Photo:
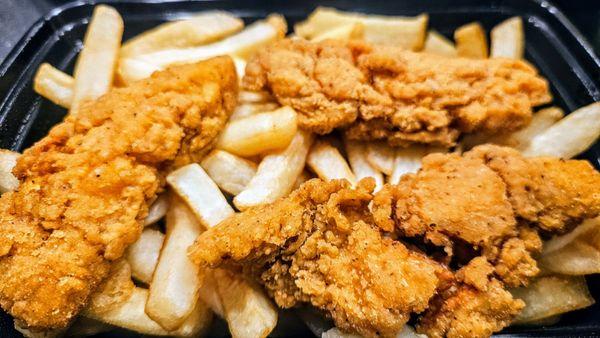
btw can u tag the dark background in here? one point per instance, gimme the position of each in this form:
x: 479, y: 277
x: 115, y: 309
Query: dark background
x: 16, y: 16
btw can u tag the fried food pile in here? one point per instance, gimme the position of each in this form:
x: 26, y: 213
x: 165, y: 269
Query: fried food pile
x: 444, y: 244
x: 86, y: 187
x: 379, y: 92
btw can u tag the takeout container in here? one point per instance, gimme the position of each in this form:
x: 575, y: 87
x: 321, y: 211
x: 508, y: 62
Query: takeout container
x: 553, y: 44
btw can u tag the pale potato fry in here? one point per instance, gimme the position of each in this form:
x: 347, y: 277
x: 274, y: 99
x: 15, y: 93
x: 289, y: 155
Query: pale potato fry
x: 248, y: 311
x: 54, y: 85
x: 209, y: 293
x: 276, y: 173
x: 408, y: 160
x: 508, y: 39
x: 327, y: 162
x: 350, y: 31
x: 548, y: 321
x: 575, y: 253
x: 174, y: 287
x: 357, y: 156
x: 438, y: 44
x: 521, y: 138
x: 131, y: 315
x: 247, y: 109
x: 231, y: 173
x: 240, y: 67
x: 143, y: 254
x: 381, y: 157
x: 157, y: 210
x: 199, y: 29
x: 259, y: 133
x: 254, y: 37
x: 405, y: 32
x: 200, y: 193
x: 114, y: 290
x: 8, y: 160
x: 245, y: 96
x: 95, y: 66
x: 552, y: 295
x: 570, y: 136
x: 471, y: 41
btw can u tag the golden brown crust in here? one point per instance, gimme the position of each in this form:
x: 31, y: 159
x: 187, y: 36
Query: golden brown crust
x: 85, y: 188
x: 380, y: 92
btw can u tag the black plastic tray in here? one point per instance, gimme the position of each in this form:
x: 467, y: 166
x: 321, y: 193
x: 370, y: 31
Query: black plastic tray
x: 553, y: 45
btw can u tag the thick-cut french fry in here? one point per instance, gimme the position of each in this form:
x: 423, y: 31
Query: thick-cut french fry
x: 276, y: 173
x: 95, y: 67
x: 130, y: 315
x: 200, y: 193
x: 381, y: 157
x: 229, y: 172
x: 471, y: 41
x: 408, y: 160
x: 355, y: 30
x: 576, y: 253
x: 259, y: 133
x: 552, y: 295
x: 247, y: 109
x: 8, y: 160
x: 521, y: 138
x: 209, y: 293
x: 508, y: 39
x: 157, y: 210
x: 197, y: 30
x: 406, y: 32
x: 241, y: 45
x: 143, y: 254
x: 54, y: 85
x: 327, y: 162
x: 174, y: 288
x: 254, y: 97
x: 248, y: 311
x: 357, y: 156
x: 240, y: 67
x: 436, y: 43
x: 570, y: 136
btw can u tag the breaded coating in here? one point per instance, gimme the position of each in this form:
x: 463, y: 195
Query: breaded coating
x: 320, y: 246
x: 379, y: 92
x: 86, y: 187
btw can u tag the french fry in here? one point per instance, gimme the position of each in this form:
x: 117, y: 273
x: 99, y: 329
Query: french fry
x: 54, y: 85
x: 254, y: 97
x: 248, y: 109
x: 303, y: 177
x: 471, y: 41
x: 521, y: 138
x: 130, y: 315
x: 209, y: 293
x: 381, y: 157
x: 436, y: 43
x: 508, y: 39
x: 8, y: 160
x: 174, y: 287
x: 248, y: 311
x: 240, y: 67
x: 94, y: 69
x: 200, y: 193
x: 229, y: 172
x: 114, y: 290
x: 240, y: 45
x: 199, y: 29
x: 276, y: 173
x: 570, y: 136
x: 575, y: 253
x: 259, y: 133
x: 408, y: 160
x: 405, y: 32
x: 350, y: 31
x: 327, y: 162
x: 157, y: 210
x: 143, y: 254
x: 552, y: 295
x: 357, y: 156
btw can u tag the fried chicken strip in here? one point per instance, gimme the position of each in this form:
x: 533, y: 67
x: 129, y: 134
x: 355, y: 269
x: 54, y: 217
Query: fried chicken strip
x: 378, y: 92
x: 320, y: 246
x: 360, y: 257
x: 86, y: 187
